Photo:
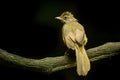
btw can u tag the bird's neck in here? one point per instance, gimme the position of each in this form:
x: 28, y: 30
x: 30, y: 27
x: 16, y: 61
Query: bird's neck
x: 70, y: 21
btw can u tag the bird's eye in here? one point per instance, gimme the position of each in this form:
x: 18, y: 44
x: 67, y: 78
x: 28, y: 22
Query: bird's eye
x: 65, y: 17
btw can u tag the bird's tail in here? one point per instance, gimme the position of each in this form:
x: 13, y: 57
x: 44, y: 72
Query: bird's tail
x: 83, y: 63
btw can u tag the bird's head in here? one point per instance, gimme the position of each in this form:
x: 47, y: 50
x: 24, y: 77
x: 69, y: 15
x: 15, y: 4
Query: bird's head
x: 66, y: 17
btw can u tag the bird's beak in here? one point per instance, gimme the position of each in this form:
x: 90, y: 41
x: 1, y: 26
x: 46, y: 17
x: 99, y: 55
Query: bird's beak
x: 58, y: 18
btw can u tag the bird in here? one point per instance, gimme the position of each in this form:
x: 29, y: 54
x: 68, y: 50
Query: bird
x: 74, y: 37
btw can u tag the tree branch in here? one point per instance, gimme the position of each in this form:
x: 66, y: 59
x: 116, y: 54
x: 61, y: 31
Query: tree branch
x: 52, y: 64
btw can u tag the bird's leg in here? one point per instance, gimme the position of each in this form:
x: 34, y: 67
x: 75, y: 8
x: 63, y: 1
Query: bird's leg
x: 66, y: 52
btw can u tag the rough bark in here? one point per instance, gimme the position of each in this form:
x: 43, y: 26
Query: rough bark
x: 52, y: 64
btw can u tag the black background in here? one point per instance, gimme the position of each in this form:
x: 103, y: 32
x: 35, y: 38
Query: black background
x: 29, y: 29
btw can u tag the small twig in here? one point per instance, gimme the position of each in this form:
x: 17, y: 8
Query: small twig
x: 52, y: 64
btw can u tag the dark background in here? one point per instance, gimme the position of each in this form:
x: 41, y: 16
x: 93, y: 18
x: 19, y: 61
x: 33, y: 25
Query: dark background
x: 29, y: 29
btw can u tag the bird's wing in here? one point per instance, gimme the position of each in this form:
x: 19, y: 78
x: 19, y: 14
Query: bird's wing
x: 79, y: 35
x: 70, y: 40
